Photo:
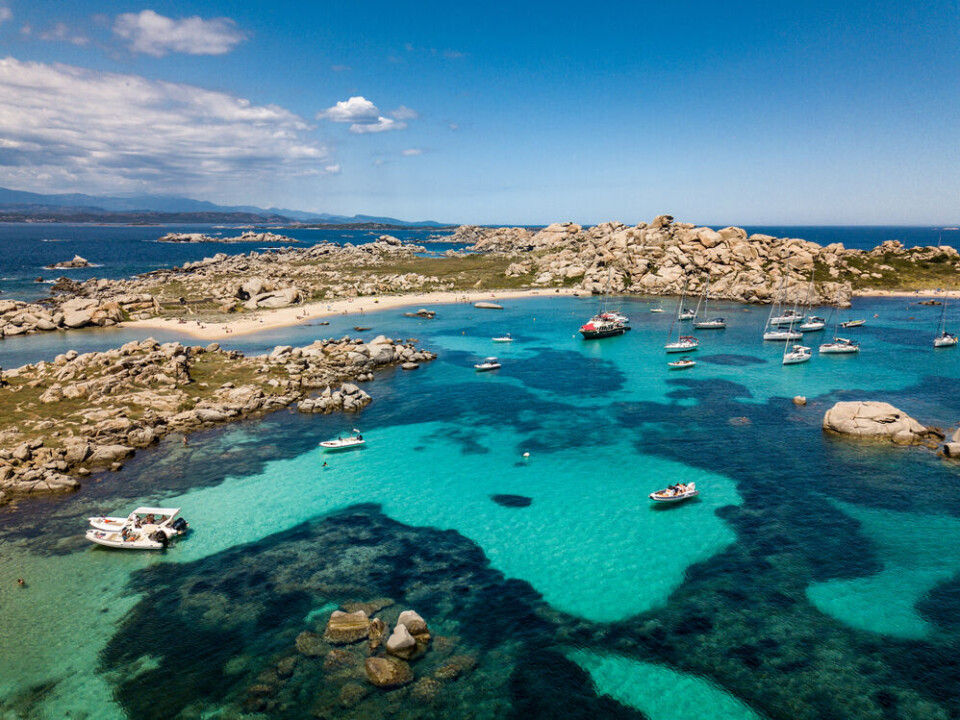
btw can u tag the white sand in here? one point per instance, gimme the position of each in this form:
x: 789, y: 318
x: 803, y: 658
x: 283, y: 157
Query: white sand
x: 286, y: 317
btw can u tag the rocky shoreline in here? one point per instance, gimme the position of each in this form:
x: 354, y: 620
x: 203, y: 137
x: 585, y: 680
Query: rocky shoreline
x: 659, y: 258
x: 63, y: 420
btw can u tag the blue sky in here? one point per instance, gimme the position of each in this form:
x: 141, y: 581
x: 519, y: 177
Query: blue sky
x: 743, y: 113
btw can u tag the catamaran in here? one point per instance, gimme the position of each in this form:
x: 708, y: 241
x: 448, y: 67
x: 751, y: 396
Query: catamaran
x: 708, y: 323
x: 943, y: 338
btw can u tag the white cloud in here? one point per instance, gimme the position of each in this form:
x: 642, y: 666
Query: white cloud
x: 66, y: 128
x: 356, y: 109
x: 453, y: 126
x: 364, y: 115
x: 332, y: 169
x: 405, y: 113
x: 154, y: 34
x: 413, y: 152
x: 5, y: 13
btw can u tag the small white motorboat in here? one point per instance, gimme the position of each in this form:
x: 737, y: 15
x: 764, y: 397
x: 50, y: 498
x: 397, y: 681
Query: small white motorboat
x: 146, y: 528
x: 681, y: 364
x: 491, y: 363
x: 484, y: 305
x: 853, y: 323
x: 341, y: 443
x: 945, y: 339
x: 685, y: 343
x: 840, y: 346
x: 503, y: 338
x: 149, y: 518
x: 712, y: 324
x: 675, y: 493
x: 782, y: 335
x: 799, y: 354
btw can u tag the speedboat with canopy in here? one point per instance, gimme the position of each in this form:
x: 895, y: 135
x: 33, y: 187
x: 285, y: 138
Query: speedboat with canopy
x: 491, y: 363
x: 675, y: 493
x: 146, y: 528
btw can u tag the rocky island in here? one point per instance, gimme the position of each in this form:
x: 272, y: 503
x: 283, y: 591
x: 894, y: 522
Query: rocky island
x: 86, y: 412
x: 247, y: 237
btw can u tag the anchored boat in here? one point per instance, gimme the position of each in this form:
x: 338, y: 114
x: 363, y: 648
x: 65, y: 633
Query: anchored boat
x: 675, y: 493
x: 341, y: 443
x: 146, y: 528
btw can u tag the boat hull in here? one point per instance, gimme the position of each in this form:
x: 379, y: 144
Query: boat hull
x: 600, y: 334
x: 681, y: 366
x: 710, y: 325
x: 674, y: 348
x: 839, y: 350
x: 942, y: 343
x: 335, y: 445
x: 114, y: 540
x: 674, y: 498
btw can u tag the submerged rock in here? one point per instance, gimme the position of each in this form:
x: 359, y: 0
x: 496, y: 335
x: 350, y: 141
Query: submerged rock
x: 345, y: 628
x: 388, y: 672
x: 512, y: 501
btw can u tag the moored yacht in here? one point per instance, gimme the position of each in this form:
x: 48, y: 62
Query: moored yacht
x: 783, y: 335
x: 789, y: 317
x: 684, y: 343
x: 799, y: 354
x: 840, y: 346
x: 812, y: 324
x: 597, y: 328
x: 945, y: 339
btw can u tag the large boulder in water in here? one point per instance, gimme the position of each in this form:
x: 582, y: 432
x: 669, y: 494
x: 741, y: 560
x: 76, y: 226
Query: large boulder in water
x: 872, y: 419
x: 344, y: 628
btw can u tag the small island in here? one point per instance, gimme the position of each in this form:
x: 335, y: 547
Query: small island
x: 247, y: 237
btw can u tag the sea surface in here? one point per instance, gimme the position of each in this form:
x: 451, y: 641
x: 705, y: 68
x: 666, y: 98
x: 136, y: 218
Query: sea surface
x: 814, y: 577
x: 118, y: 251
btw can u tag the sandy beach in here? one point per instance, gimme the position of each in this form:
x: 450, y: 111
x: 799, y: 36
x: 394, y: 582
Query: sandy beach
x: 916, y: 294
x: 296, y: 314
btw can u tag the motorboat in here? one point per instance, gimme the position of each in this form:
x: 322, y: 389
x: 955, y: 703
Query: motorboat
x: 945, y: 339
x: 675, y: 493
x: 491, y: 363
x: 146, y: 528
x: 712, y: 324
x: 503, y: 338
x: 681, y: 364
x: 812, y: 324
x: 799, y: 354
x: 783, y: 335
x: 840, y: 346
x: 853, y: 323
x: 148, y: 518
x: 344, y: 443
x: 685, y: 343
x: 595, y: 328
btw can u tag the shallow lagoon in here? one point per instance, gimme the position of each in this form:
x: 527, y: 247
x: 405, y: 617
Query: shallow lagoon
x: 767, y: 588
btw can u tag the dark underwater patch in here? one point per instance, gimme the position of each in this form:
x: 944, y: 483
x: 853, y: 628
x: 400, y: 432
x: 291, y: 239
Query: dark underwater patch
x: 512, y: 501
x: 732, y: 360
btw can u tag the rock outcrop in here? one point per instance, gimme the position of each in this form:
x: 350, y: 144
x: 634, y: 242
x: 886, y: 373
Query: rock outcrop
x: 77, y: 262
x: 81, y: 413
x: 387, y: 672
x: 248, y: 236
x: 878, y: 420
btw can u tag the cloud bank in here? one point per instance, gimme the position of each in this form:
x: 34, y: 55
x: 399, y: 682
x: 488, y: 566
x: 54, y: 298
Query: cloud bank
x: 153, y: 34
x: 69, y: 128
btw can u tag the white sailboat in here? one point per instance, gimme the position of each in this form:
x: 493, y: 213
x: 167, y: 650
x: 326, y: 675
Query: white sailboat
x: 658, y: 308
x: 771, y: 331
x: 943, y: 338
x: 708, y: 323
x: 683, y: 343
x: 839, y: 345
x: 811, y: 323
x: 798, y: 354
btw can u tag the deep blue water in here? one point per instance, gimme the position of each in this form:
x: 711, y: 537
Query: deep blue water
x: 122, y: 251
x: 816, y: 577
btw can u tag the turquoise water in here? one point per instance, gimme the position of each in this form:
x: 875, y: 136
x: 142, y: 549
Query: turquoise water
x: 801, y: 552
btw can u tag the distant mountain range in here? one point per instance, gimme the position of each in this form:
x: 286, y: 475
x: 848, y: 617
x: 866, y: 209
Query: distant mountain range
x: 21, y: 206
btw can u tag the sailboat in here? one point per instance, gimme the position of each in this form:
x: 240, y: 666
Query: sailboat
x: 658, y: 308
x: 771, y: 331
x: 684, y: 343
x: 839, y: 345
x: 717, y: 323
x: 811, y: 323
x: 798, y: 353
x: 943, y: 338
